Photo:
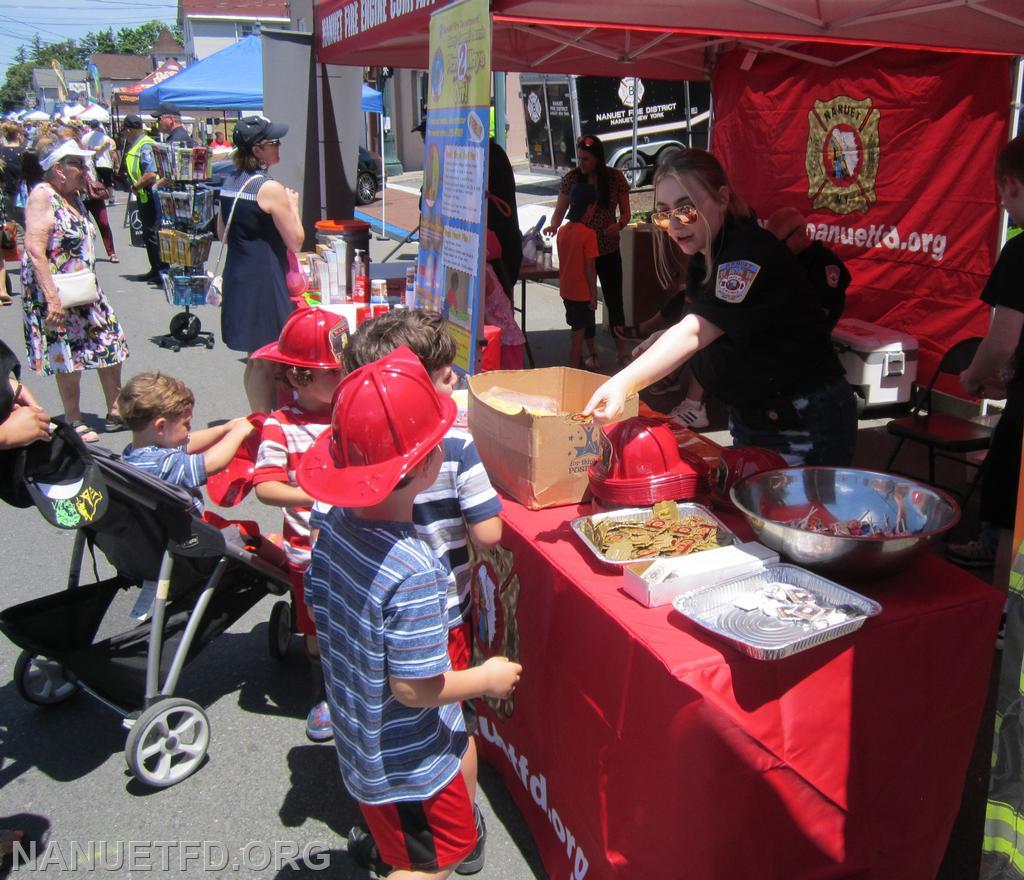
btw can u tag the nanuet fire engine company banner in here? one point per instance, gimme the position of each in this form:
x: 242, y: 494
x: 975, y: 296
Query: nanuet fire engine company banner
x: 890, y: 157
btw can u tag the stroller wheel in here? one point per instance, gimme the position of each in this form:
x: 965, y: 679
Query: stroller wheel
x: 168, y: 742
x: 280, y: 631
x: 42, y: 681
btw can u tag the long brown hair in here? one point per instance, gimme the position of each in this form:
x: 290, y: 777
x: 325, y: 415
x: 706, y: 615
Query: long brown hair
x: 687, y: 166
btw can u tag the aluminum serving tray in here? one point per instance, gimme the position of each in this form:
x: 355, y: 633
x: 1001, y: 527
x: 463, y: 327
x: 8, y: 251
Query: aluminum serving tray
x: 763, y: 637
x: 639, y: 514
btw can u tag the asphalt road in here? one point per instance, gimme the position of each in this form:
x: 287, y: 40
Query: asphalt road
x: 266, y: 795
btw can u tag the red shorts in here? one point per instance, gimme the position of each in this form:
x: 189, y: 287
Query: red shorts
x: 303, y: 622
x: 424, y: 835
x: 460, y: 645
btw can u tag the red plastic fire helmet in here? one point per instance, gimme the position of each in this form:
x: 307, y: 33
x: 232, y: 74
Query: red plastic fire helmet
x: 737, y: 462
x: 641, y: 463
x: 385, y: 419
x: 312, y: 338
x: 231, y: 485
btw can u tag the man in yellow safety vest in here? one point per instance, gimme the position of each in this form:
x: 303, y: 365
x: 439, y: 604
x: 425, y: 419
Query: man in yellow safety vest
x: 140, y: 166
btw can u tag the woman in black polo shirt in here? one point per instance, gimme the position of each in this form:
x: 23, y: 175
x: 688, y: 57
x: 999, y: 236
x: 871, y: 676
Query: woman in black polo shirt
x: 758, y: 341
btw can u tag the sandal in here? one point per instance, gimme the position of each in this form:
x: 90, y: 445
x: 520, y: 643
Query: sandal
x: 113, y: 423
x: 630, y: 333
x: 87, y: 434
x: 592, y: 363
x: 114, y: 258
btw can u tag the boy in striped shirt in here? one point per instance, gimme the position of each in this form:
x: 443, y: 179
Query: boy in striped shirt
x: 308, y: 358
x: 379, y: 598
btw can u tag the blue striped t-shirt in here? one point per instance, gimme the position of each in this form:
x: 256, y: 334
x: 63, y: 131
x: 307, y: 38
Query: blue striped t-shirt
x: 173, y: 465
x: 461, y: 494
x: 377, y: 596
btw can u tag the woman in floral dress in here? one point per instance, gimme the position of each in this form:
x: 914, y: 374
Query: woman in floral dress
x: 64, y: 342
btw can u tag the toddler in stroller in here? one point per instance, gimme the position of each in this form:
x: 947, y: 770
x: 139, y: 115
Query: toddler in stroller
x: 205, y: 578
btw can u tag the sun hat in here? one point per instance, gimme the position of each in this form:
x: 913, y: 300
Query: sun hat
x: 387, y: 417
x: 250, y: 130
x: 64, y: 151
x: 312, y: 338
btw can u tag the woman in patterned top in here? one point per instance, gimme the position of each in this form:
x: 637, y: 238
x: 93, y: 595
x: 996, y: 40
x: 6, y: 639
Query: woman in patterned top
x: 64, y: 342
x: 612, y: 195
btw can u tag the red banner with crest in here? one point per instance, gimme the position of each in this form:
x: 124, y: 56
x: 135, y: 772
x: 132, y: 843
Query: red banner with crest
x: 890, y: 158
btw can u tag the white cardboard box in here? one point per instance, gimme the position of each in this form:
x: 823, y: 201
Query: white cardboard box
x: 880, y: 363
x: 674, y: 576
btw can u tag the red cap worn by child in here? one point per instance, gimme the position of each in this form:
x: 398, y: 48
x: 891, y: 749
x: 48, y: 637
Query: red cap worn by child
x: 312, y: 338
x: 386, y: 418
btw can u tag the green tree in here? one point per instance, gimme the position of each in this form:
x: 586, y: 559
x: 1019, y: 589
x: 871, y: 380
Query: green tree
x: 137, y: 40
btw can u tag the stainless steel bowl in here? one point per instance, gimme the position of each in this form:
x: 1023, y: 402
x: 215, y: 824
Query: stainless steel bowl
x: 771, y: 499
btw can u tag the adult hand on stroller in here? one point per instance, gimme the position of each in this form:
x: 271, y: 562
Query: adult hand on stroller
x: 24, y: 425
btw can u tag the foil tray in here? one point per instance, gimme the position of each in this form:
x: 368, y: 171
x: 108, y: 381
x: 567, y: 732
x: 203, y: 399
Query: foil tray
x: 761, y: 636
x: 639, y: 514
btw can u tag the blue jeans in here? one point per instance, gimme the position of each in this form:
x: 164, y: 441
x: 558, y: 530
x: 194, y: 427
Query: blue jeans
x: 822, y: 429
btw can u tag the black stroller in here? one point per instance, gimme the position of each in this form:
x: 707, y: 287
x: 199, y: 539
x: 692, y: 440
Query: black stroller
x: 203, y: 579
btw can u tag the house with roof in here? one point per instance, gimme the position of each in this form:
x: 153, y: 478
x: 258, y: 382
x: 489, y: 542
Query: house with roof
x: 120, y: 71
x: 212, y: 25
x: 45, y: 86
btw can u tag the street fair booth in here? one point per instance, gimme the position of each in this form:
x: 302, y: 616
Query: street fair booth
x: 651, y: 735
x: 126, y: 100
x: 231, y: 79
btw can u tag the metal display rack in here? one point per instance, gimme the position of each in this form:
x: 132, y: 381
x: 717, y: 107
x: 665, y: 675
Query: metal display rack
x: 186, y: 209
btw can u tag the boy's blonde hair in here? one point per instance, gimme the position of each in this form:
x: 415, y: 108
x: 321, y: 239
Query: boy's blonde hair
x: 150, y: 396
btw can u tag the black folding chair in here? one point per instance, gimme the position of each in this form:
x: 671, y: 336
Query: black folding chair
x: 945, y: 436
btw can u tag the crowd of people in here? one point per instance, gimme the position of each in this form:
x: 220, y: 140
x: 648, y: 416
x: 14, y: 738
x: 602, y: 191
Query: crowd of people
x: 382, y: 497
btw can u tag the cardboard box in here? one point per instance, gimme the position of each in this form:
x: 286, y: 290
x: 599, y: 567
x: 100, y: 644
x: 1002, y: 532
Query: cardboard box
x: 540, y: 460
x: 674, y: 576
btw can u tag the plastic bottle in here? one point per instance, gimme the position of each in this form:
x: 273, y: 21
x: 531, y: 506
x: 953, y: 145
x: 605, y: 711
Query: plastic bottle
x: 360, y: 278
x: 410, y: 287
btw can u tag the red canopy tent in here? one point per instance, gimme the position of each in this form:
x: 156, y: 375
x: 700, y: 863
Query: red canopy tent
x: 668, y: 40
x: 852, y: 39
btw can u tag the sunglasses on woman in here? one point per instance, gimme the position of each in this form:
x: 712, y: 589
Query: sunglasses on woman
x: 683, y: 216
x: 274, y: 143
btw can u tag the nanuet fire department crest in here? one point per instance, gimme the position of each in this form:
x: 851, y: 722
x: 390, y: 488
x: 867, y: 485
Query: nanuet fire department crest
x: 842, y: 154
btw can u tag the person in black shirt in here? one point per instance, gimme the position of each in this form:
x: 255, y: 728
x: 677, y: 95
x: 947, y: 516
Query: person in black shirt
x: 827, y: 274
x: 997, y: 372
x: 757, y: 340
x: 168, y: 120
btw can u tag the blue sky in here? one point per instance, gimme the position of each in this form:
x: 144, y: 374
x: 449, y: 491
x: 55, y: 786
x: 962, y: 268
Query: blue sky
x: 57, y: 20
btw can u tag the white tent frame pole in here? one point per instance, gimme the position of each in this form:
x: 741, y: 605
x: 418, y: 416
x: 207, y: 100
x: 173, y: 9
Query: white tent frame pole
x: 383, y: 176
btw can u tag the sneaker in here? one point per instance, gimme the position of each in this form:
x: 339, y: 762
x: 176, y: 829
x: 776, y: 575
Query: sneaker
x: 690, y: 414
x: 474, y: 862
x: 363, y: 851
x: 973, y: 554
x: 318, y: 723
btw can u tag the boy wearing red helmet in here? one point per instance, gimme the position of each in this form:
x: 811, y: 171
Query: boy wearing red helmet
x: 308, y: 353
x: 379, y: 596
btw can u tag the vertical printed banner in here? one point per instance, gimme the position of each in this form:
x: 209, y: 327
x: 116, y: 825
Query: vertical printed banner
x: 890, y: 158
x: 453, y: 219
x: 62, y: 83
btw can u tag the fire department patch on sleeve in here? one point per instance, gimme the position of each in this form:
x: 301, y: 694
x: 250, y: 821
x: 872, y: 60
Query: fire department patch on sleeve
x: 832, y: 275
x: 735, y: 279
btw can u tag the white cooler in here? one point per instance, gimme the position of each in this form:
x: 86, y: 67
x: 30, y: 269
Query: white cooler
x: 880, y: 364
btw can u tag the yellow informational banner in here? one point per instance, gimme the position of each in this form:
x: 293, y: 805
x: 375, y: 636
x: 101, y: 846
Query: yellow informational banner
x: 453, y: 218
x: 62, y: 83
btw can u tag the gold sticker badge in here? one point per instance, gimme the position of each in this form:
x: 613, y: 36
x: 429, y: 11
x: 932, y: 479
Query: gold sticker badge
x: 842, y: 154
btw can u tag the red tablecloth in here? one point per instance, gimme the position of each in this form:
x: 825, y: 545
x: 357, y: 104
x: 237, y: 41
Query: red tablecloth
x: 640, y: 746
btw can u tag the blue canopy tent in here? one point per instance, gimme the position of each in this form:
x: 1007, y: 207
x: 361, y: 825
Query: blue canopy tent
x: 231, y: 79
x: 371, y: 101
